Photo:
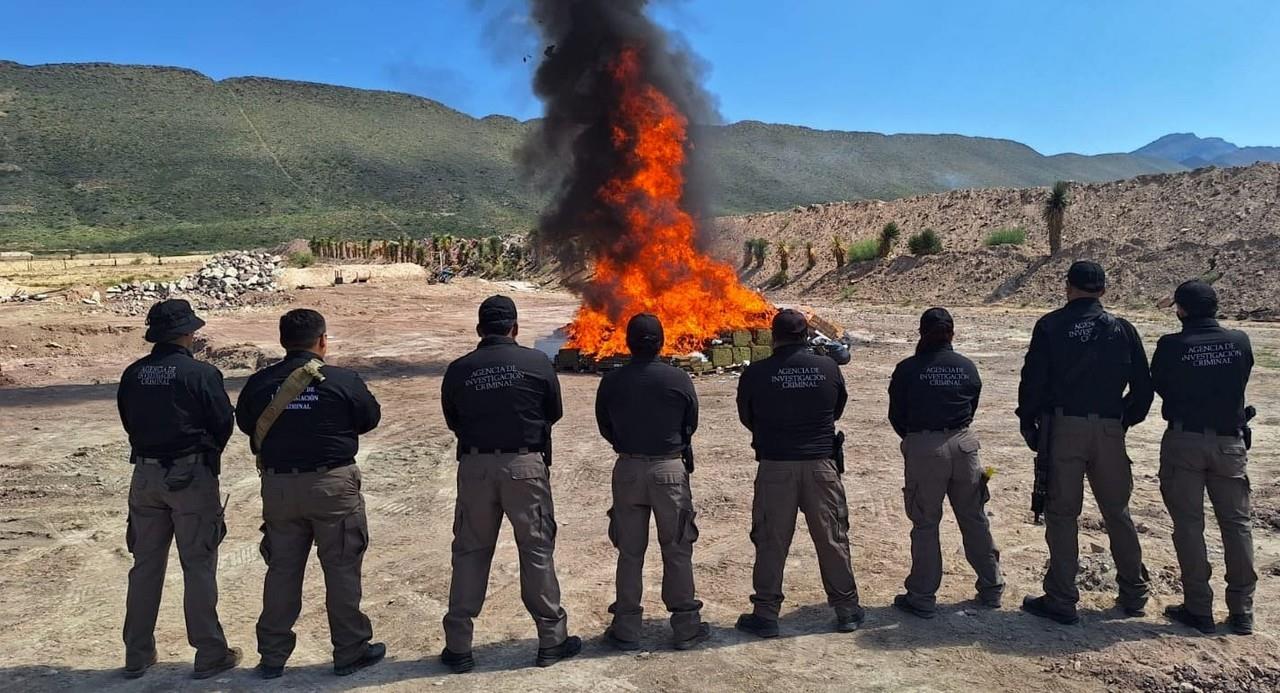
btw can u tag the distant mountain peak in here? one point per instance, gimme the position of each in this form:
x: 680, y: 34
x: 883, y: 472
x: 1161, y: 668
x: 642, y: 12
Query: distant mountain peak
x: 1190, y: 150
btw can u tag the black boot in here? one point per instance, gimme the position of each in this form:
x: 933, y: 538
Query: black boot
x: 372, y: 655
x: 850, y: 620
x: 136, y: 671
x: 269, y: 671
x: 1241, y: 624
x: 903, y: 603
x: 458, y: 662
x: 1180, y: 614
x: 1036, y: 606
x: 229, y: 661
x: 758, y: 626
x: 618, y: 643
x: 701, y: 636
x: 547, y: 656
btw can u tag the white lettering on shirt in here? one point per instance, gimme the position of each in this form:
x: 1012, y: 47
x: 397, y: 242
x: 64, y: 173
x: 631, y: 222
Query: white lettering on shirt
x: 157, y: 375
x: 1209, y: 355
x: 944, y: 376
x: 799, y: 377
x: 493, y: 378
x: 1081, y: 331
x: 304, y: 400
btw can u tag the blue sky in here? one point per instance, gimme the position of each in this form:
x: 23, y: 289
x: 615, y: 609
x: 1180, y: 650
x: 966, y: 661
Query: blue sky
x: 1068, y: 75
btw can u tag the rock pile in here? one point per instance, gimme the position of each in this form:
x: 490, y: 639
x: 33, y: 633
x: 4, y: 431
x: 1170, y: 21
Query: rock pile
x: 225, y: 279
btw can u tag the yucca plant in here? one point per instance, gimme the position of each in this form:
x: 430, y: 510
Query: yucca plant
x: 888, y: 236
x: 1055, y: 214
x: 838, y: 251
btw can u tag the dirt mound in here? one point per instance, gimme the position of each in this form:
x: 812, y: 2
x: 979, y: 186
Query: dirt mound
x: 236, y: 357
x: 1151, y: 232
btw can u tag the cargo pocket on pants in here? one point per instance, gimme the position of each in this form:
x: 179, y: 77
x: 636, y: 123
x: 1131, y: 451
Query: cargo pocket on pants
x: 264, y: 545
x: 546, y: 524
x: 130, y: 536
x: 613, y: 528
x: 355, y: 537
x: 688, y: 527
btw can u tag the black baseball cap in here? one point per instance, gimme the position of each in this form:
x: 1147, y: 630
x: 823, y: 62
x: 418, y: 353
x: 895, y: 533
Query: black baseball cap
x: 1197, y: 297
x: 171, y: 319
x: 644, y: 335
x: 1087, y: 275
x: 936, y: 319
x: 497, y: 310
x: 790, y: 324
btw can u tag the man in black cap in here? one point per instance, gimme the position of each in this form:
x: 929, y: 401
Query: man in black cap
x: 648, y: 411
x: 1079, y: 364
x: 933, y: 397
x: 501, y: 401
x: 179, y: 419
x: 1201, y: 374
x: 304, y: 419
x: 790, y: 403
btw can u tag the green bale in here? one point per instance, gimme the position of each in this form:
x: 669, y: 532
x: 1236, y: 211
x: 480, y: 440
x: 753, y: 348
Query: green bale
x: 760, y: 353
x: 568, y: 359
x: 764, y: 337
x: 741, y: 338
x: 741, y: 354
x: 721, y: 356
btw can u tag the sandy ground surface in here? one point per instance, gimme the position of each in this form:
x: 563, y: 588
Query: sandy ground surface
x: 64, y: 476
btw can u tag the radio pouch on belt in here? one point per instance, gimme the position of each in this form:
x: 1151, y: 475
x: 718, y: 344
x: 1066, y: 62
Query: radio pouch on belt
x: 294, y: 385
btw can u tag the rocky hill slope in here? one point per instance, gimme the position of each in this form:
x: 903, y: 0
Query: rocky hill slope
x: 1151, y: 232
x: 111, y: 157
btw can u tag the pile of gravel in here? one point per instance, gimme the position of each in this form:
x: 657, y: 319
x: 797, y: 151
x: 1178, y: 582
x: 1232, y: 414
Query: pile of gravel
x: 224, y: 280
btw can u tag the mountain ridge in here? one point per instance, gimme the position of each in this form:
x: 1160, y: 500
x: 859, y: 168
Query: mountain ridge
x: 108, y: 157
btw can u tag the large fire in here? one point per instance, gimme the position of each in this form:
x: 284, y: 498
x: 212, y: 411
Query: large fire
x: 695, y: 296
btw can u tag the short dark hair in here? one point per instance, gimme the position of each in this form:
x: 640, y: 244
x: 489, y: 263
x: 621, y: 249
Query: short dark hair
x: 497, y: 328
x: 301, y: 329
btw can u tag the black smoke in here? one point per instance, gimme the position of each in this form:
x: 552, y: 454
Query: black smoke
x: 570, y: 154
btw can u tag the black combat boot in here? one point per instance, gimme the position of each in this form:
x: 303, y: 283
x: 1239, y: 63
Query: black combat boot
x: 618, y: 643
x: 849, y: 620
x: 230, y: 661
x: 136, y: 671
x: 547, y: 656
x: 458, y: 662
x: 1179, y: 613
x: 902, y: 602
x: 1241, y: 624
x: 701, y: 636
x: 269, y: 671
x: 1036, y: 606
x: 758, y: 626
x: 372, y: 655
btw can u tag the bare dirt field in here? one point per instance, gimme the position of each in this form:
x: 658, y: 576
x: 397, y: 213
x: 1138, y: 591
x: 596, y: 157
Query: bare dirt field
x: 64, y: 476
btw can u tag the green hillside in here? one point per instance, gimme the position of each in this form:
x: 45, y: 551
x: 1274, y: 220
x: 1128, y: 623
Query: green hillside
x: 108, y: 157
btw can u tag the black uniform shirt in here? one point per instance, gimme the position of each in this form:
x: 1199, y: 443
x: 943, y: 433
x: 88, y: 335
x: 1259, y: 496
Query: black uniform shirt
x: 932, y: 391
x: 790, y: 402
x: 502, y: 396
x: 172, y: 405
x: 1081, y: 359
x: 1201, y: 373
x: 646, y: 407
x: 321, y: 428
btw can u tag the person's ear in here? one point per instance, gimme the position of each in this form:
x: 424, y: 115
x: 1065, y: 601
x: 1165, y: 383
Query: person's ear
x: 322, y: 344
x: 478, y: 332
x: 1182, y: 314
x: 1103, y: 292
x: 515, y: 330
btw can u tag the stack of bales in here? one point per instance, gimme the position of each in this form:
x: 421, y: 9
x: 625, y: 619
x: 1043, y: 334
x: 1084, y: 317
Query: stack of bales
x: 740, y: 347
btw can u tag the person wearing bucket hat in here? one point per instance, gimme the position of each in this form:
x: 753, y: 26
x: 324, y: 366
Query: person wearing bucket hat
x: 501, y: 401
x: 791, y: 402
x: 648, y: 411
x: 1079, y: 364
x: 178, y: 418
x: 933, y: 397
x: 1201, y: 374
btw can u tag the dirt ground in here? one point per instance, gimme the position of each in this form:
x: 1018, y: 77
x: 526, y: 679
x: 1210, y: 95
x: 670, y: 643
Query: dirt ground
x: 64, y: 476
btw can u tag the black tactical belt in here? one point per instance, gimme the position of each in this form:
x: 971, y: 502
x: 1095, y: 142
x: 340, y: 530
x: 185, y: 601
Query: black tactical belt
x: 937, y: 430
x: 1205, y: 430
x: 195, y: 458
x: 1080, y: 413
x: 308, y: 470
x: 669, y: 457
x: 502, y: 451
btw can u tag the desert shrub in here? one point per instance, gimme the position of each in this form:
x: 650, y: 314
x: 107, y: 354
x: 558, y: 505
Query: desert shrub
x: 301, y: 259
x: 888, y: 236
x: 926, y: 242
x: 1011, y: 236
x: 864, y: 250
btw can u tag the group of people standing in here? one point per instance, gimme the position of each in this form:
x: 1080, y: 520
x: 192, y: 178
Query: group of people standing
x: 1085, y: 382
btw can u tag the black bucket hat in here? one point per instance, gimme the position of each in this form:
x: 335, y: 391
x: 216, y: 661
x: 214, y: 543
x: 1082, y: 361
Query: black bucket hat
x: 171, y: 319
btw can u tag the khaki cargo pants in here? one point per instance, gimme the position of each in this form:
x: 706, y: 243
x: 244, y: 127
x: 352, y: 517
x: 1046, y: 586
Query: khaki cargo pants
x: 490, y: 486
x: 944, y: 464
x: 1090, y: 447
x: 325, y: 508
x: 158, y: 516
x: 644, y: 485
x: 813, y: 487
x: 1190, y: 464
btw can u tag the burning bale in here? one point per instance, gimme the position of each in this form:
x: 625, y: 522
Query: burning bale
x: 619, y: 100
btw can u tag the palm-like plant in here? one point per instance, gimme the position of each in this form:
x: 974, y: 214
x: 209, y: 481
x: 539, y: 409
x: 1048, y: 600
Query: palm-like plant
x: 838, y: 250
x: 888, y: 236
x: 1055, y: 214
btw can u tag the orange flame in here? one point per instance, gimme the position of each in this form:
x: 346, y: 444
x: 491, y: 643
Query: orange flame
x: 695, y: 296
